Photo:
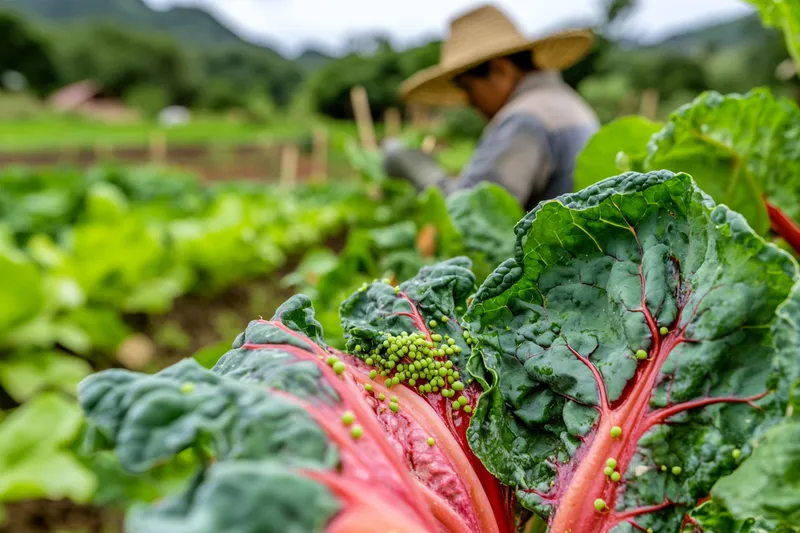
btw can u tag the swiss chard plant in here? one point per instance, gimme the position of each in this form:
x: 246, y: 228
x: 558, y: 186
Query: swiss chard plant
x: 296, y: 436
x: 637, y: 350
x: 632, y: 352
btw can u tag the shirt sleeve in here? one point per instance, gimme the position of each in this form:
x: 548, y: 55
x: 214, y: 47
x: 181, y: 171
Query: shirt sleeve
x: 515, y: 154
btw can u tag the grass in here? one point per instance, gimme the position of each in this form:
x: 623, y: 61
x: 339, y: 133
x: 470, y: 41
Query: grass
x: 53, y: 132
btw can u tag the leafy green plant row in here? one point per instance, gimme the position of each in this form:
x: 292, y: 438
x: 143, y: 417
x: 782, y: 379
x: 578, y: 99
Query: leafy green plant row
x: 632, y: 367
x: 79, y: 251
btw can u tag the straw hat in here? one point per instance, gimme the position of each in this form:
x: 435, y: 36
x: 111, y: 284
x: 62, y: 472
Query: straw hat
x: 480, y: 35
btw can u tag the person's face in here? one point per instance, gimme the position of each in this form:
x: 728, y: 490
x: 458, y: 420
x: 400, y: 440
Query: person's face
x: 491, y: 93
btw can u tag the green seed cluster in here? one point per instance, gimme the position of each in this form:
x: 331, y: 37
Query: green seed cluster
x: 422, y: 364
x: 610, y: 470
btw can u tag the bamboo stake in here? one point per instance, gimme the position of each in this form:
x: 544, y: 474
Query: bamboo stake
x: 648, y: 106
x: 363, y: 116
x: 320, y: 156
x: 393, y: 122
x: 289, y: 159
x: 158, y: 147
x: 428, y: 144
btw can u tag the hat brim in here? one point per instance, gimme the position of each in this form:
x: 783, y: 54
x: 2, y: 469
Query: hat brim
x: 434, y: 86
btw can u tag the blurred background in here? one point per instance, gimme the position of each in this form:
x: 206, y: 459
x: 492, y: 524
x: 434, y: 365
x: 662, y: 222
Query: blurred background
x: 192, y: 81
x: 170, y: 170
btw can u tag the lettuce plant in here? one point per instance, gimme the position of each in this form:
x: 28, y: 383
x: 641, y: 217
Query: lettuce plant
x: 628, y: 352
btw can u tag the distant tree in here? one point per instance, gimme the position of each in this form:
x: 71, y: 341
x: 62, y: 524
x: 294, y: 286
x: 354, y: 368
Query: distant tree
x: 381, y: 73
x: 121, y: 61
x: 25, y: 50
x: 252, y: 70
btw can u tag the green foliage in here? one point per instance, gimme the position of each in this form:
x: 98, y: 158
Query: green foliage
x: 380, y: 73
x: 35, y: 461
x: 595, y: 277
x: 713, y: 139
x: 766, y: 485
x: 783, y: 14
x: 26, y: 50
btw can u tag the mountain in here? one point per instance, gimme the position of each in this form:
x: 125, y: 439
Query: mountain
x: 190, y: 25
x: 739, y: 32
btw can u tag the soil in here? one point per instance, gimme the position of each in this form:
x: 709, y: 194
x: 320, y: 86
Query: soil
x: 63, y: 516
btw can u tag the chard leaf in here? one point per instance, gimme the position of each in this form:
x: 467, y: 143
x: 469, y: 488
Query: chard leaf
x: 767, y: 485
x: 635, y: 323
x: 623, y: 140
x: 783, y: 14
x: 301, y: 437
x: 484, y: 216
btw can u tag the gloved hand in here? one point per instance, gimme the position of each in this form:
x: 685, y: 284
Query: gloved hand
x: 400, y: 161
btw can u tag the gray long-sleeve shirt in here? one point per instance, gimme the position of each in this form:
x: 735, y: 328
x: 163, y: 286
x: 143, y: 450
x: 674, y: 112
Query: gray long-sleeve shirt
x: 531, y: 145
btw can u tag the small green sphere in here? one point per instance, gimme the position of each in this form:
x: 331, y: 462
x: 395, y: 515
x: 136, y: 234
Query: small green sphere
x: 641, y: 354
x: 599, y: 504
x: 736, y: 453
x: 394, y: 407
x: 615, y: 477
x: 458, y: 386
x: 463, y: 400
x: 356, y: 432
x: 373, y: 374
x: 368, y: 387
x: 676, y: 470
x: 369, y: 361
x: 611, y: 463
x: 445, y: 319
x: 616, y: 432
x: 433, y: 323
x: 339, y: 367
x: 664, y: 330
x: 431, y: 442
x: 381, y: 396
x: 187, y: 388
x: 348, y: 418
x: 467, y: 409
x: 456, y: 406
x: 608, y: 470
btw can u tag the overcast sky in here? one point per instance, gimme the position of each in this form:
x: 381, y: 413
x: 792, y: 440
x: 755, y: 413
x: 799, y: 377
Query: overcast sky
x: 295, y: 24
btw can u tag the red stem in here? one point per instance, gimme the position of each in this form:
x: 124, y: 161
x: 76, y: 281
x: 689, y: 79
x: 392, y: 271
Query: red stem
x: 783, y: 225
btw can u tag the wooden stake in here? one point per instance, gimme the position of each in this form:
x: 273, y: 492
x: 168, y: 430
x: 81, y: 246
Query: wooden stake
x: 648, y: 106
x: 393, y: 122
x: 158, y: 147
x: 103, y: 151
x: 428, y: 144
x: 363, y: 116
x: 320, y: 156
x: 289, y: 158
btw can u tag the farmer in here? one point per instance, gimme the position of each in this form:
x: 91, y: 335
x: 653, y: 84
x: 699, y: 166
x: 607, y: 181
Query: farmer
x: 538, y: 124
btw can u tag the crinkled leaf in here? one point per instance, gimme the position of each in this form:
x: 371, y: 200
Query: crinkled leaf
x: 152, y: 418
x: 437, y: 291
x: 710, y: 517
x: 738, y: 148
x: 243, y: 497
x: 485, y: 216
x: 767, y: 485
x: 637, y: 262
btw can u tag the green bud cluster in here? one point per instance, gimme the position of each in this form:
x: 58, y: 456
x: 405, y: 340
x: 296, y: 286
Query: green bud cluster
x: 610, y: 470
x: 422, y: 364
